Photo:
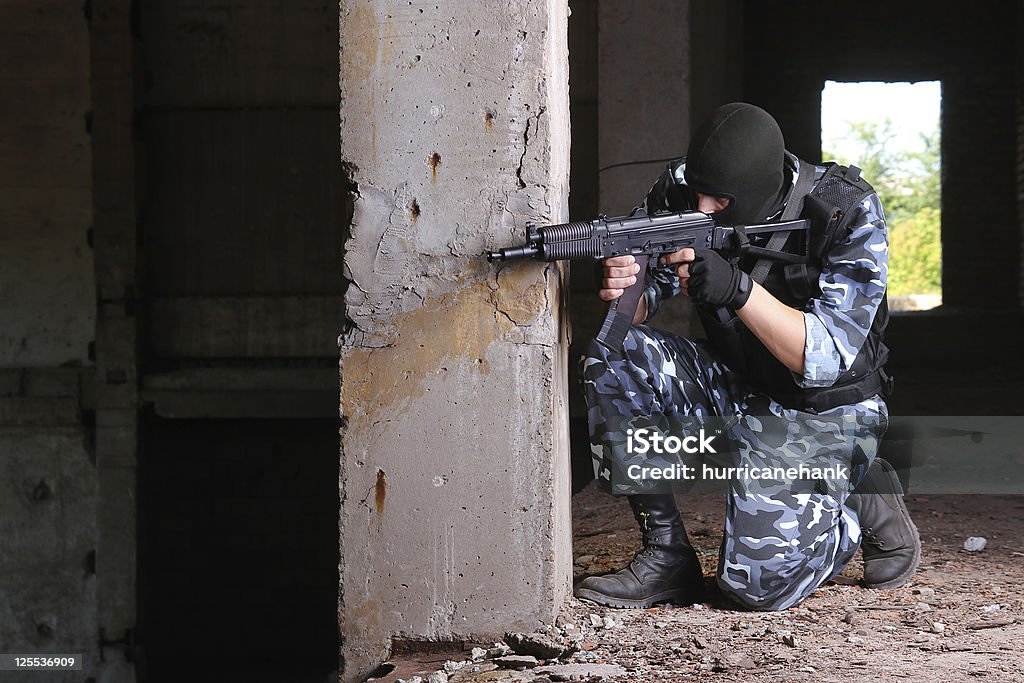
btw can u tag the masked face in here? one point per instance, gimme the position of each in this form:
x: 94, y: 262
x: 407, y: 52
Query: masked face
x: 738, y: 154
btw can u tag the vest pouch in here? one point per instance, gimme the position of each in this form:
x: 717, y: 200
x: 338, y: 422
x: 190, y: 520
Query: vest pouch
x: 825, y: 220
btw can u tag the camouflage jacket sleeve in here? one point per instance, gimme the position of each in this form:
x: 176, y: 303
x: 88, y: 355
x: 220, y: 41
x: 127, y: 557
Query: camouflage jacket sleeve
x: 852, y: 282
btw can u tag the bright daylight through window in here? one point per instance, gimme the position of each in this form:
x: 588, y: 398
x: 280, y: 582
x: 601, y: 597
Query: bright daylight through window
x: 891, y: 131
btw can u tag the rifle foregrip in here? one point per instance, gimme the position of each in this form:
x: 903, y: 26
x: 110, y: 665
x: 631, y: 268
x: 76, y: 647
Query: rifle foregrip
x: 619, y: 317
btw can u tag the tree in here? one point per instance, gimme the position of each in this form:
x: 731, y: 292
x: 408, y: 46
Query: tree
x: 908, y: 183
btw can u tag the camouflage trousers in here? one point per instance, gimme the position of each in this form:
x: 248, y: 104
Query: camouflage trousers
x: 782, y: 538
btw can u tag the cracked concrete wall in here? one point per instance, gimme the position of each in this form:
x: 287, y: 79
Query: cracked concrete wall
x: 454, y: 466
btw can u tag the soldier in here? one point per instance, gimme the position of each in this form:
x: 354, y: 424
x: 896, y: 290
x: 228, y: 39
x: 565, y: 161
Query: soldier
x: 793, y: 366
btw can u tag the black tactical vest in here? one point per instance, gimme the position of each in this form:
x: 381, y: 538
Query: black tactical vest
x: 828, y: 206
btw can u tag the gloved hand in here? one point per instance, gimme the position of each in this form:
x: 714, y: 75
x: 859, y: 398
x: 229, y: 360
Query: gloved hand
x: 716, y: 282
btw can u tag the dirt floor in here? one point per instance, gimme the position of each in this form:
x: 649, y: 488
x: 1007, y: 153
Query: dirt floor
x: 960, y: 619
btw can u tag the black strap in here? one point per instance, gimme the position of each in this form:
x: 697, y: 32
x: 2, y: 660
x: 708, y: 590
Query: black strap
x: 820, y: 400
x: 794, y: 205
x: 619, y: 317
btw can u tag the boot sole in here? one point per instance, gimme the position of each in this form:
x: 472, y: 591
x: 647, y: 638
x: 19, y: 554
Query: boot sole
x: 678, y: 597
x: 905, y: 576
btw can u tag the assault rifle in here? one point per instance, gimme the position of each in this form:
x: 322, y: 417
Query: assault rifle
x: 644, y: 237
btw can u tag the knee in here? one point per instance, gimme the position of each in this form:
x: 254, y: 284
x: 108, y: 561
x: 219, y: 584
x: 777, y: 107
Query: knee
x: 760, y: 587
x: 640, y: 347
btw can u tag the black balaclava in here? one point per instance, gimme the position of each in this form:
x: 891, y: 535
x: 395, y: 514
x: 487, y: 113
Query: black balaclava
x: 738, y: 152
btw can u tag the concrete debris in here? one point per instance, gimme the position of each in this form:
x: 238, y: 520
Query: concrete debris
x: 499, y: 650
x: 734, y: 660
x: 995, y: 607
x: 608, y: 622
x: 518, y: 662
x: 477, y: 653
x: 437, y: 677
x: 472, y: 672
x: 937, y: 627
x: 575, y: 672
x: 596, y: 621
x: 451, y: 667
x: 975, y: 544
x: 539, y: 645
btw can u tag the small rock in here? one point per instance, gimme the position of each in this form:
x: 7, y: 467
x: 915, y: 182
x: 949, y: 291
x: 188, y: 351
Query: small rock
x: 584, y: 560
x: 577, y: 672
x: 499, y: 650
x: 975, y: 544
x: 700, y: 642
x: 437, y: 677
x: 924, y: 591
x: 988, y: 609
x: 922, y: 607
x: 518, y: 662
x: 854, y: 640
x: 937, y: 627
x: 564, y: 620
x: 865, y: 632
x: 738, y: 660
x: 596, y: 621
x: 791, y: 640
x: 608, y: 622
x: 851, y: 617
x: 539, y: 645
x: 477, y: 653
x: 451, y: 667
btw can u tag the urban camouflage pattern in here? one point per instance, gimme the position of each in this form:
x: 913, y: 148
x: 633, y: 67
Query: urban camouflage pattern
x: 782, y: 538
x: 852, y: 281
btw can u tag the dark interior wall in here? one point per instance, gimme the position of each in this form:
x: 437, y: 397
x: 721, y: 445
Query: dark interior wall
x: 244, y: 211
x: 972, y: 52
x: 241, y: 564
x: 244, y: 202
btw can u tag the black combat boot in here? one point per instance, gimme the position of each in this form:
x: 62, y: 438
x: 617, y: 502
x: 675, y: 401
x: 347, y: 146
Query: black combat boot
x: 890, y: 543
x: 665, y: 570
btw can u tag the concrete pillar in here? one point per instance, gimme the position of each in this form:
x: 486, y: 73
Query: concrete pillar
x: 454, y: 483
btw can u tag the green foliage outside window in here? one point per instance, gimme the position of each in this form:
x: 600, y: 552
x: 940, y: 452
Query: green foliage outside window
x: 908, y: 183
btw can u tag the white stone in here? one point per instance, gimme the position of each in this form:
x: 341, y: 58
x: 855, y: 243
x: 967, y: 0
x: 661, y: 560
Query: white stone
x: 975, y: 544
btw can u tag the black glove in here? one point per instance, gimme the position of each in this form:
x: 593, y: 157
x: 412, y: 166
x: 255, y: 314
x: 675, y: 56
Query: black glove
x: 716, y: 282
